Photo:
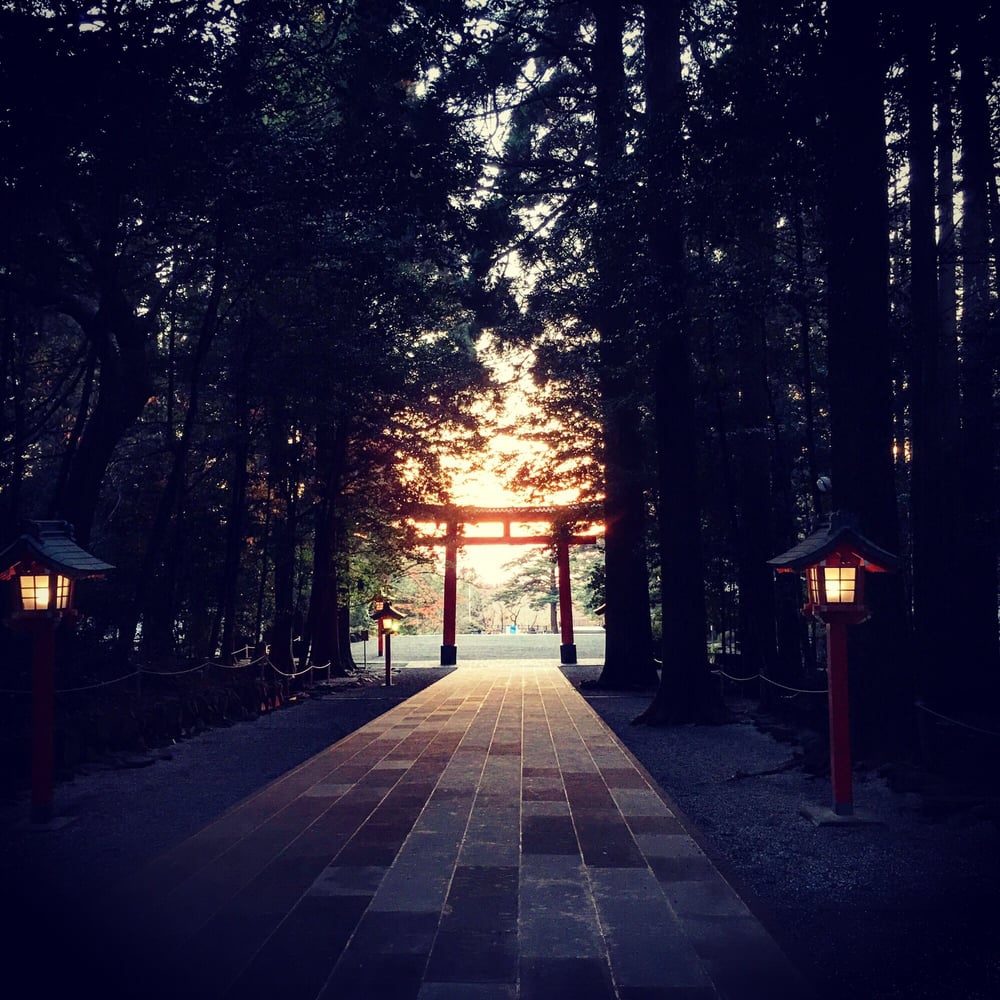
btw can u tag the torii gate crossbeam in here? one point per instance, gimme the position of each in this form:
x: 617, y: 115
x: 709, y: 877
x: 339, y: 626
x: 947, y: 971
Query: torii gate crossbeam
x: 454, y: 519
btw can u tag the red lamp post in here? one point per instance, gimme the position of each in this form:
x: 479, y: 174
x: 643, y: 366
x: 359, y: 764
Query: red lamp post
x: 388, y: 619
x: 46, y: 562
x: 379, y: 630
x: 835, y: 560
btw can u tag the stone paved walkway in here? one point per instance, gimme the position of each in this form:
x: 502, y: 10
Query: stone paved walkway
x: 488, y: 838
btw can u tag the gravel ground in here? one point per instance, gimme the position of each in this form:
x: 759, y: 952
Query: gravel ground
x: 905, y: 908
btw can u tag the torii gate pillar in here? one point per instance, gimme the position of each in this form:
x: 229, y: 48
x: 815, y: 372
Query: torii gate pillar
x: 449, y: 649
x: 567, y: 651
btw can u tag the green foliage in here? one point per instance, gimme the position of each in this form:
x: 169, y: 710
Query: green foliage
x: 266, y: 204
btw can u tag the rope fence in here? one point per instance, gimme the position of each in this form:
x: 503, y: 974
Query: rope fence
x: 918, y: 704
x: 242, y: 663
x: 956, y: 722
x: 768, y: 680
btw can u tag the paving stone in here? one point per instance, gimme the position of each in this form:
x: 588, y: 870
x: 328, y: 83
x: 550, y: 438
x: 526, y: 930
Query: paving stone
x: 674, y: 993
x: 545, y: 807
x: 742, y: 959
x: 236, y: 941
x: 543, y: 867
x: 383, y: 779
x: 465, y: 955
x: 420, y: 876
x: 542, y: 792
x: 572, y: 753
x: 646, y: 942
x: 605, y: 839
x: 381, y: 977
x: 493, y: 821
x: 486, y: 852
x: 367, y: 853
x: 297, y: 958
x: 484, y: 896
x: 654, y: 824
x: 636, y: 802
x: 668, y: 845
x: 558, y: 919
x: 413, y: 888
x: 327, y: 791
x: 445, y: 816
x: 623, y: 777
x: 477, y: 939
x: 280, y: 885
x: 586, y: 791
x: 548, y: 835
x: 683, y: 869
x: 399, y: 932
x: 704, y: 898
x: 579, y: 978
x: 348, y: 881
x: 467, y: 991
x: 505, y: 766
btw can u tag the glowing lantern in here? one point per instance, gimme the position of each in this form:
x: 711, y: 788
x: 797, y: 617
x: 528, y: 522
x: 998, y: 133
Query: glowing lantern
x: 46, y: 561
x: 389, y: 620
x: 835, y: 561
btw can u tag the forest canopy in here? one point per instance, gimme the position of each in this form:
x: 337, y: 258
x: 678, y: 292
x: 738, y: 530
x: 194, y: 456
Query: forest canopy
x: 251, y: 252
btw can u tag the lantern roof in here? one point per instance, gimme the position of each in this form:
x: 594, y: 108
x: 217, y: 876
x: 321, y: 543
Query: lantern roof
x: 388, y: 611
x: 839, y: 535
x: 51, y: 544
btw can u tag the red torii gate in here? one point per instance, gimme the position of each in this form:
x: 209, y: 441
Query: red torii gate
x: 454, y: 518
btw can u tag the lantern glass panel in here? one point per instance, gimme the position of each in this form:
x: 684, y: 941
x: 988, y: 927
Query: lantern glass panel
x: 812, y: 585
x: 840, y: 583
x: 35, y: 592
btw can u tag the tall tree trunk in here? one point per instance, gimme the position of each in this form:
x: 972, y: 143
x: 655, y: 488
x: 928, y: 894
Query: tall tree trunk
x: 859, y: 362
x: 124, y: 388
x: 236, y: 520
x: 120, y: 338
x: 324, y: 624
x: 10, y: 490
x: 346, y: 654
x: 686, y: 693
x: 74, y: 436
x: 794, y: 629
x: 320, y: 623
x: 808, y: 382
x: 932, y: 508
x: 225, y: 643
x: 947, y: 252
x: 629, y: 660
x: 260, y: 632
x: 628, y: 657
x: 752, y: 211
x: 283, y: 494
x: 148, y: 602
x: 978, y: 542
